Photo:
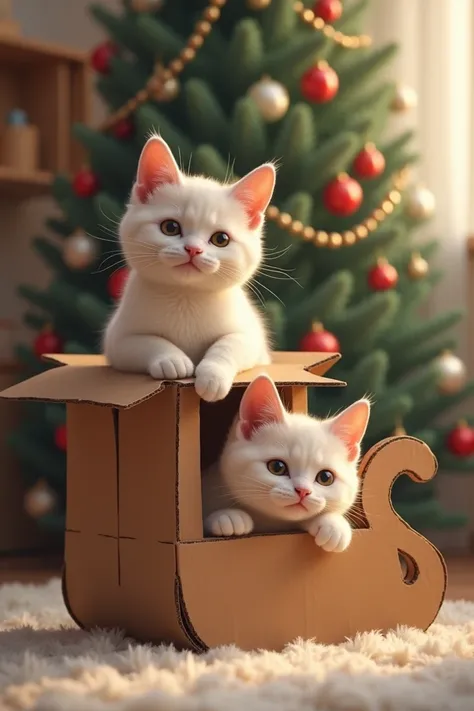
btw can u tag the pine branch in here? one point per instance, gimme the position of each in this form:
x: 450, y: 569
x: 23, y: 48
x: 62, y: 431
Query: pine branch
x: 368, y: 376
x: 327, y: 161
x: 363, y: 323
x: 207, y: 160
x: 93, y: 311
x: 327, y: 301
x: 248, y: 136
x: 279, y: 23
x: 149, y: 121
x: 295, y: 140
x: 206, y: 117
x: 245, y: 55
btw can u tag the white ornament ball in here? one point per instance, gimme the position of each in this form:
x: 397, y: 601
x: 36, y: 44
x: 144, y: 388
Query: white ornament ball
x: 170, y: 89
x: 271, y: 98
x: 452, y: 373
x: 421, y: 203
x: 80, y: 251
x: 405, y: 98
x: 40, y: 500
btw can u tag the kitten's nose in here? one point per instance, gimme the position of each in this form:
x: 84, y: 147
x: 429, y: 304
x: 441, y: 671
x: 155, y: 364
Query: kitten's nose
x: 192, y: 251
x: 302, y: 492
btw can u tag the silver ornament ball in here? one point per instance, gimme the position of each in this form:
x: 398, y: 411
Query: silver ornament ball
x: 452, y: 373
x: 40, y: 500
x: 271, y: 98
x: 405, y: 98
x: 79, y: 251
x: 421, y: 203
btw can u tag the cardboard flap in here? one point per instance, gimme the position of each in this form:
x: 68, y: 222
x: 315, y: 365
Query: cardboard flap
x: 89, y: 379
x: 316, y: 363
x: 75, y: 359
x: 92, y: 384
x: 287, y: 374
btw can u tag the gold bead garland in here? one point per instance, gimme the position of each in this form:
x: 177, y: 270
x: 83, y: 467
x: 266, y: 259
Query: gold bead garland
x: 161, y: 75
x: 335, y: 240
x: 317, y: 23
x: 203, y: 27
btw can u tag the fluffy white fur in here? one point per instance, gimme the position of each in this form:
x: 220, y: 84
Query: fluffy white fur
x: 242, y: 495
x: 184, y: 310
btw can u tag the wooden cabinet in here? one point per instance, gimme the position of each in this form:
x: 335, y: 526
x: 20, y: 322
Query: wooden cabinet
x: 51, y: 85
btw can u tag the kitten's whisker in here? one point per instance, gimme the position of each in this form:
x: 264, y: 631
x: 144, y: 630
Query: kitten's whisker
x: 269, y: 290
x: 272, y: 253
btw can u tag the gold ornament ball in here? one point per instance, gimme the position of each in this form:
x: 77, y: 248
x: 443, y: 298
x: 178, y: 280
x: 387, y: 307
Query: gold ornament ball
x: 405, y: 98
x: 258, y: 4
x: 418, y: 267
x: 79, y: 251
x: 421, y: 203
x: 271, y: 98
x: 40, y: 500
x: 147, y: 5
x: 452, y: 373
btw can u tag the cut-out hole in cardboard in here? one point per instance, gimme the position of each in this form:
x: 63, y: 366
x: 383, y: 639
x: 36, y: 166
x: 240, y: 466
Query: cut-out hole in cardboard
x: 408, y: 568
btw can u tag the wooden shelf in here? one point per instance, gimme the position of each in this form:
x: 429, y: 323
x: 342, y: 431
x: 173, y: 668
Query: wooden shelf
x: 51, y: 84
x: 14, y: 183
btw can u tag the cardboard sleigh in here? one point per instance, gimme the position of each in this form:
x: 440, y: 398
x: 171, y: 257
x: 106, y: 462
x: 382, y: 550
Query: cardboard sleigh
x: 135, y: 556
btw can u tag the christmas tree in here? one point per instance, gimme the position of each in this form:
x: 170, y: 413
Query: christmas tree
x: 230, y: 84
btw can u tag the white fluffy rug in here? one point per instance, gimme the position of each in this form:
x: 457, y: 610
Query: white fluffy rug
x: 47, y: 664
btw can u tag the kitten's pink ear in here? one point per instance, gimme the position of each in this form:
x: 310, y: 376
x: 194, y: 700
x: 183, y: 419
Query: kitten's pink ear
x: 350, y: 426
x: 255, y: 191
x: 156, y: 167
x: 260, y: 405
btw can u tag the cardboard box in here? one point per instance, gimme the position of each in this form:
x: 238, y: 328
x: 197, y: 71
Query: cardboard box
x: 135, y: 553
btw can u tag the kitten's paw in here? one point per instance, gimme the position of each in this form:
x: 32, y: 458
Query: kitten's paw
x: 331, y: 532
x: 229, y: 522
x: 172, y: 367
x: 213, y: 381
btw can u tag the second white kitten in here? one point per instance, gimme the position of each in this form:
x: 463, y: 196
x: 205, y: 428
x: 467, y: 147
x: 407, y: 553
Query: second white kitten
x: 191, y: 244
x: 281, y: 471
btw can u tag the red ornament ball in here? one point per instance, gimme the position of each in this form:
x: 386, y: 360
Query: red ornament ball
x: 85, y: 183
x: 60, y: 437
x: 343, y: 195
x: 328, y: 10
x: 383, y: 276
x: 460, y: 441
x: 318, y: 340
x: 47, y: 342
x: 320, y: 83
x: 116, y: 283
x: 123, y: 129
x: 369, y: 163
x: 102, y: 56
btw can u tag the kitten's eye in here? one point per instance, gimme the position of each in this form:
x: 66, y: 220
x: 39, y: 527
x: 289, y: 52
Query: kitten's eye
x: 324, y: 477
x: 219, y: 239
x: 170, y: 228
x: 277, y: 467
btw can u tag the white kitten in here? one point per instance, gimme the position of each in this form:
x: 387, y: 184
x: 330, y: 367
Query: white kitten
x: 286, y: 471
x: 191, y: 245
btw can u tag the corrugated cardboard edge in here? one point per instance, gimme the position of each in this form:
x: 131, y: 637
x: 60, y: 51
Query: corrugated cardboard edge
x: 429, y: 473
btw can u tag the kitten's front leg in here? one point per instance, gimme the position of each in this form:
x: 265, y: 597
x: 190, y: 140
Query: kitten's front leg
x: 331, y: 531
x: 228, y: 522
x: 148, y: 354
x: 228, y: 356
